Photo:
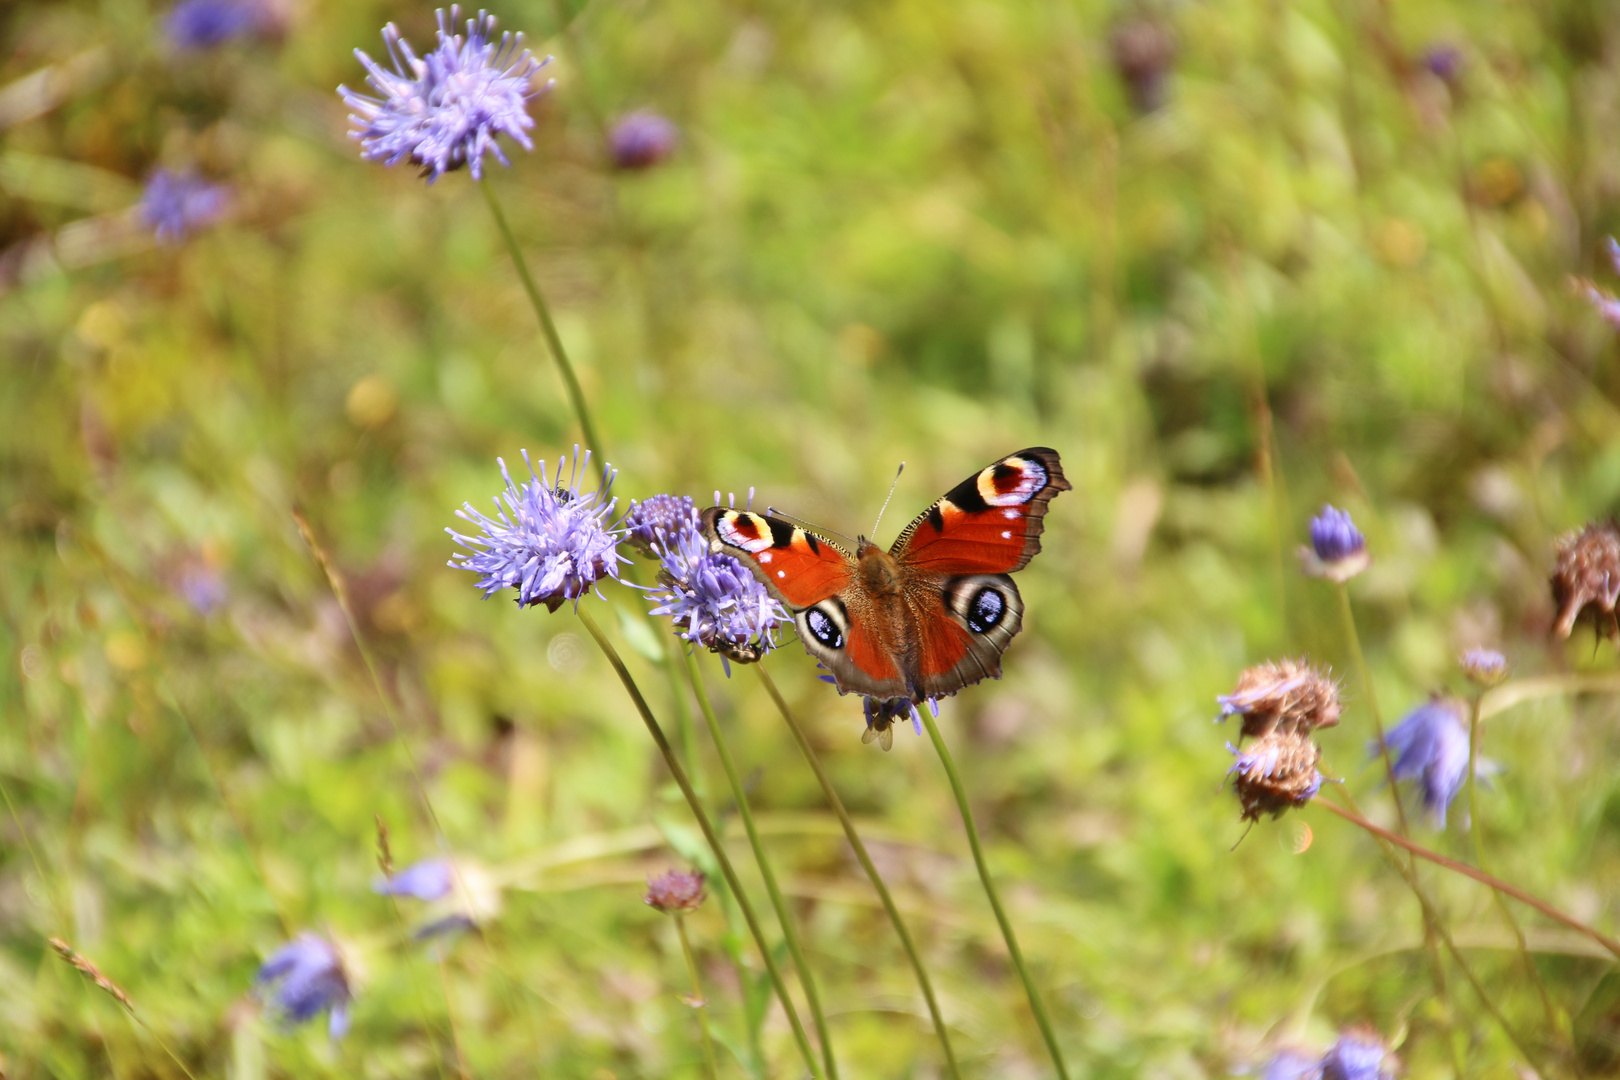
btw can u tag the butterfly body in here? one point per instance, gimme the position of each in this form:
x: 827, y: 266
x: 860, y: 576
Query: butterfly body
x: 934, y: 612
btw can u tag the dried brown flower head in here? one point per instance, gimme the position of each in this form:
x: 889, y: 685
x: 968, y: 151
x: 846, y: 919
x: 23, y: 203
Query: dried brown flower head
x: 1283, y: 695
x: 675, y: 891
x: 1586, y: 580
x: 1275, y: 773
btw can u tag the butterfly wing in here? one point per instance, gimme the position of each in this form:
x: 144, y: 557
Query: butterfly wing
x: 956, y: 556
x: 816, y: 579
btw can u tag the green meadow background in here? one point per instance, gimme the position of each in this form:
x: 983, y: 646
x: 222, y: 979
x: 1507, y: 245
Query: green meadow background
x: 893, y: 231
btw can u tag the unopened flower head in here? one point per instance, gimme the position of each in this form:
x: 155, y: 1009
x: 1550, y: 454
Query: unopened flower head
x: 305, y: 977
x: 714, y: 600
x: 641, y: 140
x: 1586, y: 579
x: 1287, y: 695
x: 1358, y: 1055
x: 446, y: 109
x: 675, y: 891
x: 1338, y: 551
x: 175, y: 203
x: 1431, y: 748
x: 1485, y: 667
x: 549, y: 542
x: 206, y: 24
x: 430, y: 879
x: 666, y: 516
x: 1275, y: 773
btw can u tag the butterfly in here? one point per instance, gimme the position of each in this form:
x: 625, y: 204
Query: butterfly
x: 929, y: 616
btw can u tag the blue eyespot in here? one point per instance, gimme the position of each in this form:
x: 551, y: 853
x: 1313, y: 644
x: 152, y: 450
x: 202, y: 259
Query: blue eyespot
x: 823, y: 629
x: 986, y: 610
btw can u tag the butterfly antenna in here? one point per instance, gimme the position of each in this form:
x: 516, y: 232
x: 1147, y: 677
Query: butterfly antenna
x: 892, y: 486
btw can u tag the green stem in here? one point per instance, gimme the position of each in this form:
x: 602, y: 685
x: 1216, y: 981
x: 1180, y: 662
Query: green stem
x: 726, y: 869
x: 548, y: 329
x: 699, y: 1003
x: 783, y: 916
x: 990, y: 891
x: 871, y: 869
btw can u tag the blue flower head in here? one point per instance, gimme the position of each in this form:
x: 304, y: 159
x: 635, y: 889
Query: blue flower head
x: 669, y: 515
x: 641, y: 140
x: 173, y: 204
x: 1431, y: 748
x: 304, y: 977
x: 1292, y: 1065
x: 206, y: 24
x: 713, y: 599
x: 548, y: 542
x: 1338, y: 551
x: 445, y: 110
x: 1486, y: 667
x: 1358, y: 1055
x: 430, y: 879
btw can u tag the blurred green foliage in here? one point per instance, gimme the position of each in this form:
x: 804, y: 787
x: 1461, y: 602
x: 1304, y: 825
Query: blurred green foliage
x: 894, y: 231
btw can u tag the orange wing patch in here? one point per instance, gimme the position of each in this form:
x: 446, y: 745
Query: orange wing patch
x: 990, y: 523
x: 798, y: 567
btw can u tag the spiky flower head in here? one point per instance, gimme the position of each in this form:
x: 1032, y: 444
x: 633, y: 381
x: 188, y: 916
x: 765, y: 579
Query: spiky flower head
x: 675, y: 892
x: 430, y: 879
x: 1286, y: 695
x: 1338, y: 551
x: 713, y: 599
x: 1586, y: 579
x: 175, y: 203
x: 641, y: 140
x: 305, y: 977
x: 1275, y: 773
x: 1431, y: 748
x: 446, y: 109
x: 548, y: 542
x: 206, y: 24
x: 1484, y: 667
x: 1358, y: 1055
x: 666, y: 515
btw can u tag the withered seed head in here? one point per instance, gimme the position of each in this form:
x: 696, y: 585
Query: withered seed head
x: 1283, y: 695
x: 1586, y: 580
x: 91, y: 972
x: 1275, y: 773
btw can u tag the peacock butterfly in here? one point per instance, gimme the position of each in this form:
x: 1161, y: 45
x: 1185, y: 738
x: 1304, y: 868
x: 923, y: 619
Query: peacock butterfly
x: 929, y: 616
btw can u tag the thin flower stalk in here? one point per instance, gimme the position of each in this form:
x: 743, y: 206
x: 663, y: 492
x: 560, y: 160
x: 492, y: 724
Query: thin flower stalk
x: 385, y: 863
x: 89, y: 970
x: 1017, y: 955
x: 783, y: 916
x: 548, y: 328
x: 700, y: 1005
x: 727, y: 870
x: 867, y: 865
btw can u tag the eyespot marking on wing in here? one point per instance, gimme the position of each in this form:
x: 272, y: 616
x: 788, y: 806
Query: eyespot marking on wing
x: 1011, y: 482
x: 751, y: 532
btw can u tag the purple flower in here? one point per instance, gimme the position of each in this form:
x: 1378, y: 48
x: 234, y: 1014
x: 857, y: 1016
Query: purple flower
x: 713, y: 599
x: 1358, y: 1055
x: 175, y: 203
x: 205, y: 24
x: 1444, y: 61
x: 669, y: 515
x: 1338, y: 551
x: 1487, y: 667
x: 304, y: 977
x: 549, y: 543
x: 444, y: 110
x: 675, y: 891
x: 1292, y: 1065
x: 430, y: 879
x: 1431, y: 748
x: 641, y: 140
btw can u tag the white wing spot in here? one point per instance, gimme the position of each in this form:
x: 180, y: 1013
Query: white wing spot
x: 1006, y: 534
x: 781, y: 573
x: 1011, y: 515
x: 764, y: 556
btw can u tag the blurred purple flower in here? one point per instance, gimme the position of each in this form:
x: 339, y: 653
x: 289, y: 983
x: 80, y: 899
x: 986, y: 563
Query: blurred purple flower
x: 714, y: 600
x: 1444, y: 61
x: 1431, y: 745
x: 641, y: 140
x: 205, y: 24
x: 445, y: 110
x: 675, y: 891
x: 549, y: 543
x: 202, y: 586
x: 304, y: 977
x: 1338, y: 551
x: 1358, y: 1055
x: 1487, y: 667
x: 1292, y: 1065
x: 670, y: 515
x: 430, y: 879
x: 175, y: 203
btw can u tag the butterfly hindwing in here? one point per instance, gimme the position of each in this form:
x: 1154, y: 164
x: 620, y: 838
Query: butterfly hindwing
x: 990, y: 523
x: 981, y: 613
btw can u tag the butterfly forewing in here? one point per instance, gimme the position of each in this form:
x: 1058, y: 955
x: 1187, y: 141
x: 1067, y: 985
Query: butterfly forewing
x: 799, y: 567
x: 990, y: 523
